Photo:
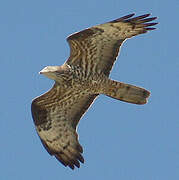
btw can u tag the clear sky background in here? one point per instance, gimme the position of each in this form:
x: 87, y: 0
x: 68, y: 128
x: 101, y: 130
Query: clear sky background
x: 120, y: 140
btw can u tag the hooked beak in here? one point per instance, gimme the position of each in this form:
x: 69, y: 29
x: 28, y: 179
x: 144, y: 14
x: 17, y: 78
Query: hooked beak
x: 41, y: 72
x: 44, y: 70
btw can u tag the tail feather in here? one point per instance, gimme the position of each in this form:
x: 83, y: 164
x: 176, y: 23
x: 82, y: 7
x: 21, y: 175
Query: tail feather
x: 126, y: 92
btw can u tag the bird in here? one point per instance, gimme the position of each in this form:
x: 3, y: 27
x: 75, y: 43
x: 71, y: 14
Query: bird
x: 80, y: 80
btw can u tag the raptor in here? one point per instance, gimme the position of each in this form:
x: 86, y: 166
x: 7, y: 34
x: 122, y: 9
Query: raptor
x: 80, y: 80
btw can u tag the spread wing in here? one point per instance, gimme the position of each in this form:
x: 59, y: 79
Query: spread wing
x: 56, y: 115
x: 96, y: 48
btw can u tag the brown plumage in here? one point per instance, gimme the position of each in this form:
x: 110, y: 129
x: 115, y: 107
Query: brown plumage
x: 80, y: 80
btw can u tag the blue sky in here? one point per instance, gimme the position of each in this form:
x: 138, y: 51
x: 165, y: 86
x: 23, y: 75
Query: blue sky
x: 120, y: 140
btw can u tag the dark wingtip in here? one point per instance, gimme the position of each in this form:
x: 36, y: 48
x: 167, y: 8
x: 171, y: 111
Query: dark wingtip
x: 72, y: 162
x: 143, y: 16
x: 153, y: 18
x: 127, y: 16
x: 150, y: 29
x: 71, y: 166
x: 150, y: 24
x: 123, y: 18
x: 80, y: 158
x: 139, y: 20
x: 142, y: 22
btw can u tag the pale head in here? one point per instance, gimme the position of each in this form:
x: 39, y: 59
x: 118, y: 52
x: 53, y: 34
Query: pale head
x: 55, y: 72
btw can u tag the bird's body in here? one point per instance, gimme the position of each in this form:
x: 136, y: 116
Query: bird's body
x: 80, y: 80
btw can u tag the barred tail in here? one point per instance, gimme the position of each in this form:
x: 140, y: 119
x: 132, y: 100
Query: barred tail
x: 126, y: 92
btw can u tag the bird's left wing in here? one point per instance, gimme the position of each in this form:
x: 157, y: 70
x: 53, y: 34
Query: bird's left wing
x: 95, y: 49
x: 56, y: 115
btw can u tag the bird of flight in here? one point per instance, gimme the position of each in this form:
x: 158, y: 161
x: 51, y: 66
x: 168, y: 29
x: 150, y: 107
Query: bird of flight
x: 80, y: 80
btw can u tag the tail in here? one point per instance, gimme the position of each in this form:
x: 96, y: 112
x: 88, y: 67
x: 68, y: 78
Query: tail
x: 126, y: 92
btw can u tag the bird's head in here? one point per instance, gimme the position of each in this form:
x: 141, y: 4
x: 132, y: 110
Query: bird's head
x: 56, y: 72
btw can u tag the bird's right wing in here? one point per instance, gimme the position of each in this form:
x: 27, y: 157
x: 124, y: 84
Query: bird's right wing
x: 56, y: 115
